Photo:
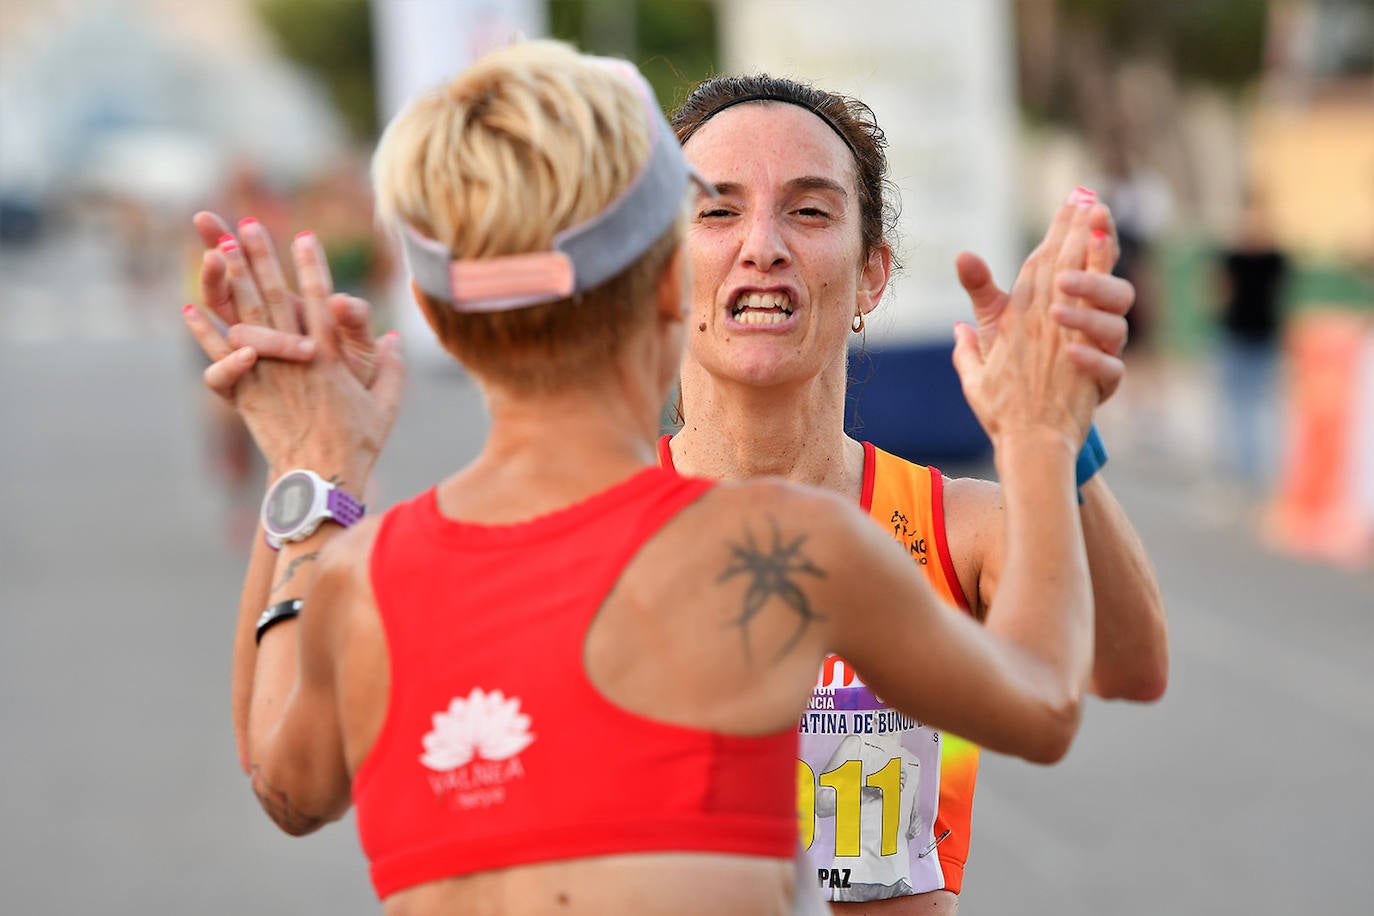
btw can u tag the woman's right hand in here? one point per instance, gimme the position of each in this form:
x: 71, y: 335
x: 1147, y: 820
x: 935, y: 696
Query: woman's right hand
x: 352, y: 316
x: 320, y: 415
x: 1032, y: 378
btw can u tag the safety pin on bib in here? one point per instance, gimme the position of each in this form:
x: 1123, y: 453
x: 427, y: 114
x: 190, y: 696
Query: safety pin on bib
x: 938, y: 840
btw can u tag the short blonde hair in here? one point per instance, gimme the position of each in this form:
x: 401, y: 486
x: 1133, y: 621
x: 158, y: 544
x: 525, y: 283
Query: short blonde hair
x: 530, y: 140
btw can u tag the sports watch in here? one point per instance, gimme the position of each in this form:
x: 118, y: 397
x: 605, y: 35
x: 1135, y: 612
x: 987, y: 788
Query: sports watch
x: 299, y: 501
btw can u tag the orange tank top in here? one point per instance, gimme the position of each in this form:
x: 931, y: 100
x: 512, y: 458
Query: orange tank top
x: 913, y: 835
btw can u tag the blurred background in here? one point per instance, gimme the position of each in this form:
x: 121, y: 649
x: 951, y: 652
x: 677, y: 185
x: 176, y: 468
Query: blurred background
x: 1234, y: 140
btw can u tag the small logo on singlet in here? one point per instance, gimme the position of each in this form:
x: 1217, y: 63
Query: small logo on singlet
x: 473, y: 748
x: 909, y: 536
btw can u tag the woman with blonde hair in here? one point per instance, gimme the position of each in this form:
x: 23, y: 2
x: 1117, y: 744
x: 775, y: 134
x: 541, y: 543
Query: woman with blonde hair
x: 565, y: 678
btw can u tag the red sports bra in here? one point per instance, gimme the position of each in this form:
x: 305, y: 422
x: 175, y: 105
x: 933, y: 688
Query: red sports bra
x: 496, y: 749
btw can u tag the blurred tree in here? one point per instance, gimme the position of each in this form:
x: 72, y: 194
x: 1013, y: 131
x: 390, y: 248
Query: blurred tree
x: 1214, y: 41
x: 673, y: 41
x: 1068, y: 45
x: 332, y: 40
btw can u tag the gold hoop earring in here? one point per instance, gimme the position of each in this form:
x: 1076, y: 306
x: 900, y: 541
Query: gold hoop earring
x: 857, y: 325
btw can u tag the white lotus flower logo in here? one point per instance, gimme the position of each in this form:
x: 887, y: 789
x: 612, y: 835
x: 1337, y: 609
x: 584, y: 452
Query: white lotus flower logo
x: 485, y: 725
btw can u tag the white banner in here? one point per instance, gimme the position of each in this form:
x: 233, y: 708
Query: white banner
x: 419, y: 44
x: 939, y: 76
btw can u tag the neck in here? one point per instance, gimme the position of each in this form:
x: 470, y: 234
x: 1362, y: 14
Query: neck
x: 734, y: 431
x: 548, y: 450
x: 569, y: 429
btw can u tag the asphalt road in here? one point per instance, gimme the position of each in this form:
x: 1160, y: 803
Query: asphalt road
x: 1244, y: 791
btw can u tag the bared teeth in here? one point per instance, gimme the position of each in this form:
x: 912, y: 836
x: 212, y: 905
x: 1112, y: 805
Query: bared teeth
x: 761, y: 317
x: 762, y: 308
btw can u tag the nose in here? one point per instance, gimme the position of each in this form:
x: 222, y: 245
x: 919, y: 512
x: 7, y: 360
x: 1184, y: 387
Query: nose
x: 763, y: 247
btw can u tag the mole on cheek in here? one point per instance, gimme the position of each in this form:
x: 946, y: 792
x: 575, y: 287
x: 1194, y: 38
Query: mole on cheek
x: 702, y: 326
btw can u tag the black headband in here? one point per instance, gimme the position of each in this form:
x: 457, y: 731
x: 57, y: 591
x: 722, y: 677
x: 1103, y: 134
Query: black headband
x: 773, y: 97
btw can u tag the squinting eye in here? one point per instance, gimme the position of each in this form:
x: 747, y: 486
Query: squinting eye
x: 813, y: 212
x: 708, y: 214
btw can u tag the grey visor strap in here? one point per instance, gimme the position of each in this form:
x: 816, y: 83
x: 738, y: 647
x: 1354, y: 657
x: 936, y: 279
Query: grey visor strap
x: 584, y: 256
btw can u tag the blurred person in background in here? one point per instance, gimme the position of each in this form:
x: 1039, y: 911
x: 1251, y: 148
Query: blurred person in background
x: 337, y: 205
x: 438, y: 597
x: 1252, y: 272
x: 1142, y: 205
x: 788, y: 260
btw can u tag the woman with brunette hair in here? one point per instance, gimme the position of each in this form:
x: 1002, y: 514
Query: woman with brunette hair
x: 565, y: 678
x: 787, y: 261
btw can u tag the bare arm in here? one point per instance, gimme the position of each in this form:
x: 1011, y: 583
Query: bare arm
x: 1018, y: 686
x: 1131, y: 656
x: 241, y: 304
x: 253, y: 598
x: 319, y: 417
x: 1131, y: 653
x: 1015, y: 686
x: 294, y: 739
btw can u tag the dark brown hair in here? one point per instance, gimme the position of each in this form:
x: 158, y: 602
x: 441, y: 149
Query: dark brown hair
x: 848, y: 117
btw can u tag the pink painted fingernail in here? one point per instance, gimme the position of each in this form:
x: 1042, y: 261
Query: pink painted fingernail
x: 306, y: 236
x: 228, y: 243
x: 1082, y: 197
x: 1099, y: 235
x: 187, y: 309
x: 247, y: 221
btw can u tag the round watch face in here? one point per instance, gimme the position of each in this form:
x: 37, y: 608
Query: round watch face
x: 291, y: 500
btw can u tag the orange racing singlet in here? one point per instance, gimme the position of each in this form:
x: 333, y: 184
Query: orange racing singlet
x: 885, y: 802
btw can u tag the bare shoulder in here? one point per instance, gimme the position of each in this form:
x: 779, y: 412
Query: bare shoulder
x: 974, y: 533
x: 971, y: 497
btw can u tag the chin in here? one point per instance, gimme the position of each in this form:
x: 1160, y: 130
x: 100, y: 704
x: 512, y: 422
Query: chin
x: 766, y: 372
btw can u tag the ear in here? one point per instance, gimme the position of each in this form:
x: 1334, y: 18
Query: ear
x: 873, y: 278
x: 673, y: 295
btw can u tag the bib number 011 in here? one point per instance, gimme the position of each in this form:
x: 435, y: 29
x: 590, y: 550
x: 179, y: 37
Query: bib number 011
x: 848, y: 781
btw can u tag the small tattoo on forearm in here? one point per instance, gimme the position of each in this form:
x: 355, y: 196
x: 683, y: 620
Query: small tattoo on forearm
x: 772, y: 573
x: 278, y: 807
x: 293, y: 566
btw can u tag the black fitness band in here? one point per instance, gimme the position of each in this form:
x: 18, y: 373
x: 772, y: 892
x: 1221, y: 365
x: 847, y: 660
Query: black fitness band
x: 282, y: 610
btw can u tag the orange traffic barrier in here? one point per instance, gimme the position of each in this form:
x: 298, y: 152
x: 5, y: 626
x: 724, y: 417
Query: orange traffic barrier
x: 1319, y: 509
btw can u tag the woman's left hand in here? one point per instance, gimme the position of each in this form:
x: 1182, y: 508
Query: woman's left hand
x: 1102, y: 324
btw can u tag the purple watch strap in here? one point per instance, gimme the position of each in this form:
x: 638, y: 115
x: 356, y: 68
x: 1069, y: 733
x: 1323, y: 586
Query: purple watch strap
x: 343, y: 508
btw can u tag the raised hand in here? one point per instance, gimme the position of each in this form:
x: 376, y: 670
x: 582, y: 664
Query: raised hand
x: 1034, y: 370
x: 319, y: 415
x: 1108, y: 298
x: 237, y: 344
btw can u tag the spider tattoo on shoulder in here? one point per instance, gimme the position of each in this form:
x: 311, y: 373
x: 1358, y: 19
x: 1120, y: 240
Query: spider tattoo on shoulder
x: 772, y: 574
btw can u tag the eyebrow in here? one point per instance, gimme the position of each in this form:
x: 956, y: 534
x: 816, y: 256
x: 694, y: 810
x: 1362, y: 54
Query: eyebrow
x: 804, y: 183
